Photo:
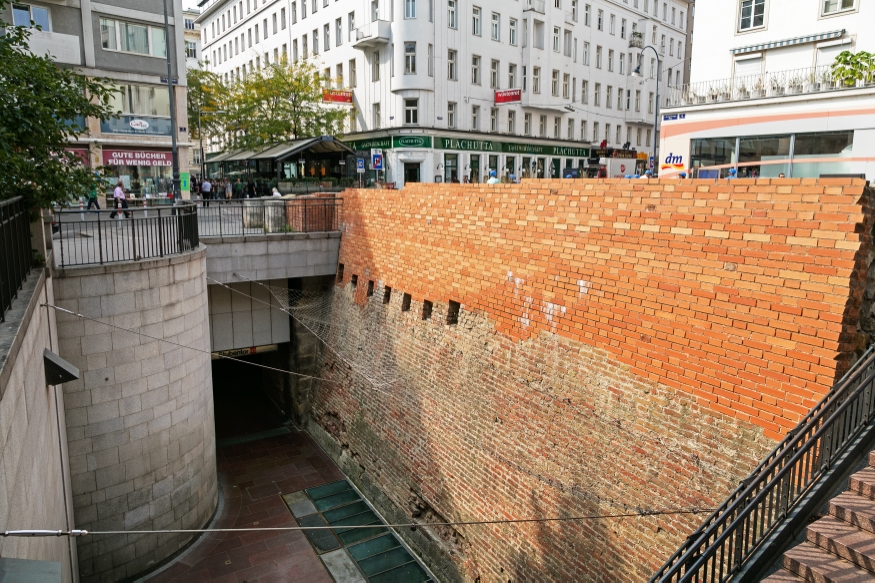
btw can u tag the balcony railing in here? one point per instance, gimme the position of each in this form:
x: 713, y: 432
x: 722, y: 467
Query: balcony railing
x: 373, y: 34
x: 99, y: 237
x: 811, y: 80
x: 15, y: 254
x: 269, y: 215
x: 536, y: 5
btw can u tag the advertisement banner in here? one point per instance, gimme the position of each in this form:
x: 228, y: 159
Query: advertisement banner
x: 114, y: 157
x: 336, y: 96
x: 508, y: 96
x: 131, y: 124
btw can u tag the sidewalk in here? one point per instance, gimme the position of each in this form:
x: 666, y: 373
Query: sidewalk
x: 252, y: 476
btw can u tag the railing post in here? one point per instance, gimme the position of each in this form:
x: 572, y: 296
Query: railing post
x: 160, y: 233
x: 61, y: 234
x: 99, y: 239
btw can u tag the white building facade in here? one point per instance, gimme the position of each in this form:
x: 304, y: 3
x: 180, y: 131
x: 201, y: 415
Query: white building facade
x: 451, y: 89
x: 192, y: 39
x: 764, y: 97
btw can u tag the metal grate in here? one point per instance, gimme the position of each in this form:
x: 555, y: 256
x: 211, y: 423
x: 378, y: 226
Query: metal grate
x: 15, y: 253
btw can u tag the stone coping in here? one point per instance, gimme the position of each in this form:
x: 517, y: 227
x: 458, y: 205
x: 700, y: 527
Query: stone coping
x: 122, y: 266
x: 271, y: 237
x: 18, y: 318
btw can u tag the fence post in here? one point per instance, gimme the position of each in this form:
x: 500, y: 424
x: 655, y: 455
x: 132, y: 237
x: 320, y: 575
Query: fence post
x: 304, y: 226
x: 99, y: 239
x: 160, y: 232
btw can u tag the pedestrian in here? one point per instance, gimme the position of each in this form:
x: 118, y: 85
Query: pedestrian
x: 238, y: 189
x: 275, y: 192
x: 493, y: 178
x: 92, y: 197
x: 781, y: 175
x: 250, y: 189
x: 118, y: 196
x: 228, y: 189
x: 206, y: 192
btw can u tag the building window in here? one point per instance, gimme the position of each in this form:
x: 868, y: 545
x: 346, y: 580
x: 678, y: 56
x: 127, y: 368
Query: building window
x: 375, y: 10
x: 574, y: 10
x: 409, y: 58
x: 295, y: 50
x: 142, y: 100
x: 595, y: 132
x: 600, y: 21
x: 350, y: 25
x: 582, y: 129
x: 557, y: 127
x: 650, y: 103
x: 430, y: 60
x: 496, y: 27
x: 566, y: 89
x: 511, y: 121
x: 475, y: 21
x: 611, y: 60
x: 274, y: 22
x: 587, y: 11
x: 326, y: 36
x: 619, y: 136
x: 409, y: 8
x: 411, y: 111
x: 586, y: 54
x: 753, y: 13
x: 570, y: 135
x: 191, y: 50
x: 127, y: 37
x: 597, y: 95
x: 542, y: 126
x: 375, y: 62
x: 451, y: 115
x: 475, y: 70
x: 536, y: 79
x: 451, y: 13
x: 833, y: 6
x: 493, y: 75
x: 475, y: 117
x: 315, y: 42
x: 451, y: 65
x: 511, y: 38
x: 638, y: 101
x: 584, y: 92
x: 598, y: 57
x: 378, y: 121
x: 647, y: 142
x: 613, y: 27
x: 556, y: 33
x: 338, y: 32
x: 511, y: 76
x: 607, y: 132
x: 352, y: 74
x: 609, y: 94
x: 493, y: 119
x: 527, y: 124
x: 283, y: 18
x: 338, y: 75
x: 554, y: 84
x: 294, y: 12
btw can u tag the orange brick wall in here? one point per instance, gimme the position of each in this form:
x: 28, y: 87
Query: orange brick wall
x: 622, y: 344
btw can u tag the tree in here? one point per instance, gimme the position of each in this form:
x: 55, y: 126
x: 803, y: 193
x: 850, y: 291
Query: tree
x: 206, y: 98
x: 42, y: 108
x: 276, y: 104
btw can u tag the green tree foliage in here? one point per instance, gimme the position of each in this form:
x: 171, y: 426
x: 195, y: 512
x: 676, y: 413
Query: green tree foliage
x: 272, y: 105
x: 39, y: 106
x: 206, y: 101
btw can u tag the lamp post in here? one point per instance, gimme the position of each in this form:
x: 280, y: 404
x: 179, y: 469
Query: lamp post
x: 200, y: 132
x: 637, y: 73
x: 167, y: 45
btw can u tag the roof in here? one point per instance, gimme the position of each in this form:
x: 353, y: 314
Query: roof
x: 319, y: 145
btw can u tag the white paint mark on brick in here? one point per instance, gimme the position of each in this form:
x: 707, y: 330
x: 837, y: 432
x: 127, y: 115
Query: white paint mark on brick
x: 584, y: 286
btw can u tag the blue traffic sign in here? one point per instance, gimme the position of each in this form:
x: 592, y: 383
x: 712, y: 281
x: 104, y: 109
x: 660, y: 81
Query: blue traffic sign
x: 360, y: 165
x: 377, y: 162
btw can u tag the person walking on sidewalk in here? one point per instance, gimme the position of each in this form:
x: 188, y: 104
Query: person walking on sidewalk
x: 118, y: 196
x: 206, y: 192
x: 92, y: 198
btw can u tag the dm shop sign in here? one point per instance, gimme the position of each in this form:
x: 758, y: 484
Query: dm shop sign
x: 113, y: 157
x: 131, y: 124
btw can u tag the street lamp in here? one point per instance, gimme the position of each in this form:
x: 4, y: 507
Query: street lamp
x: 637, y: 73
x: 200, y: 132
x: 173, y: 129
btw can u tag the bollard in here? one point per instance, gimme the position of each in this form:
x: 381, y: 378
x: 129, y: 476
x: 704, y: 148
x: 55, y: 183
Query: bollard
x: 81, y: 210
x: 118, y: 209
x: 145, y: 212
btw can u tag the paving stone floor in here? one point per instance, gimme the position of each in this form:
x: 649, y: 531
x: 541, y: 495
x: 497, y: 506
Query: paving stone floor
x: 252, y: 476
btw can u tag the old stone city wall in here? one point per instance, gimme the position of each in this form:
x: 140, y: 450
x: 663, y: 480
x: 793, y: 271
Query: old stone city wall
x: 620, y: 346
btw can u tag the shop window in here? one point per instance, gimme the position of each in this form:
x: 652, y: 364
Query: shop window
x: 710, y: 151
x: 829, y: 148
x: 772, y: 151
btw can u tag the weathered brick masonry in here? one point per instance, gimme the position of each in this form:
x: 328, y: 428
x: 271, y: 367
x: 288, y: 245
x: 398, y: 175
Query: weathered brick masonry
x: 621, y: 345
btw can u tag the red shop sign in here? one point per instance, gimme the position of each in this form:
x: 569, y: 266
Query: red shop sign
x: 335, y: 96
x: 113, y: 157
x: 509, y: 96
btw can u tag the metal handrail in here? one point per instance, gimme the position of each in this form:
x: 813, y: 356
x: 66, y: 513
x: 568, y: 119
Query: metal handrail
x: 132, y: 234
x: 762, y: 501
x: 260, y: 216
x: 15, y: 254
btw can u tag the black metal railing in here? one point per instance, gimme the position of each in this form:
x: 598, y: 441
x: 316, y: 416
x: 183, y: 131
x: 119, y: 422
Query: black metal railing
x: 108, y: 236
x: 259, y: 216
x: 734, y: 532
x: 15, y: 253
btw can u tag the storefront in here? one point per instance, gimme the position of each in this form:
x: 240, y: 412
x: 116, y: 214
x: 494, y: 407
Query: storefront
x: 463, y: 159
x: 144, y: 173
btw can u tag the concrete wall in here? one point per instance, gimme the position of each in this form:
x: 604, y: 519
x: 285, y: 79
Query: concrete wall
x: 268, y: 257
x: 238, y: 321
x: 34, y: 483
x: 140, y: 422
x: 622, y: 344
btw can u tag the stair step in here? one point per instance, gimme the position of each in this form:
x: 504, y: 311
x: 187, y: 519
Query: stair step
x: 812, y: 563
x: 854, y: 509
x: 845, y: 540
x: 863, y: 482
x: 872, y: 458
x: 782, y: 576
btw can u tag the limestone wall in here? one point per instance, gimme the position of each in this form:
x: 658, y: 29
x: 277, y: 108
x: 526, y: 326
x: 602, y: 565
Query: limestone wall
x: 34, y: 487
x: 140, y: 421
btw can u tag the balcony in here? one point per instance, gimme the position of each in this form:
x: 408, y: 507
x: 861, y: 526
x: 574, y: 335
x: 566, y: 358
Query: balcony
x: 811, y: 80
x: 636, y: 41
x: 373, y: 34
x: 570, y: 18
x: 536, y: 6
x: 63, y: 48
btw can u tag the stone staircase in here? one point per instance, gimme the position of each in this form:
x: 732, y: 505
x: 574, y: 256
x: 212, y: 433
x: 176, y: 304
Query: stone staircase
x: 838, y: 548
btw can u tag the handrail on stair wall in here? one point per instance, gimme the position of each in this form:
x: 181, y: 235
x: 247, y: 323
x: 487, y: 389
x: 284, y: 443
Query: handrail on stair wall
x: 729, y: 537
